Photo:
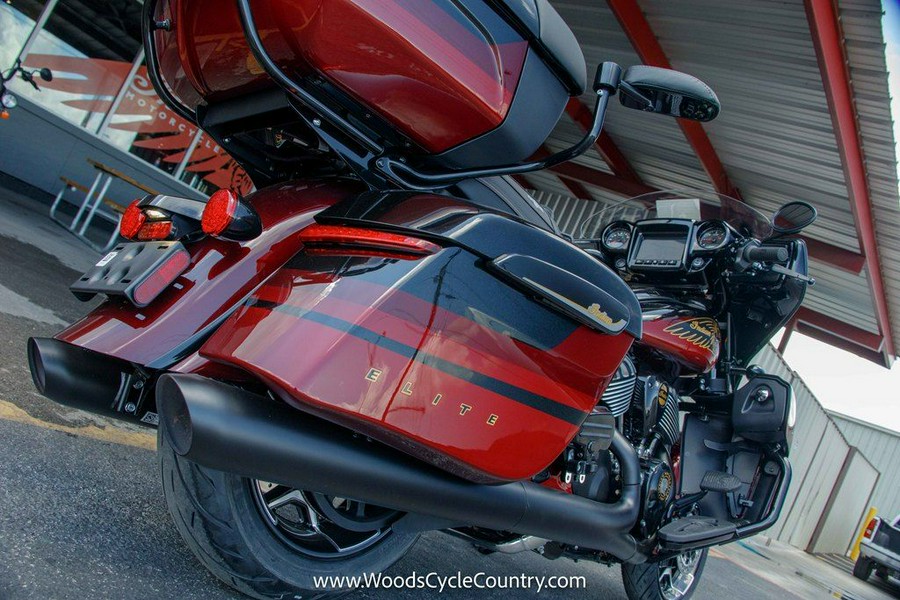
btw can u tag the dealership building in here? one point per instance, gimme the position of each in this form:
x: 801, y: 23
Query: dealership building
x: 806, y: 115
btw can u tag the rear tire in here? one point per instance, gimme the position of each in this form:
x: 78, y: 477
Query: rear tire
x: 219, y: 516
x: 863, y: 568
x: 673, y: 579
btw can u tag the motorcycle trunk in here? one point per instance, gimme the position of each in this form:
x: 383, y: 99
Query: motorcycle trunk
x: 462, y: 85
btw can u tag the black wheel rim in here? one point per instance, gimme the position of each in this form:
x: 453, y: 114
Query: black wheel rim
x: 319, y: 526
x: 677, y: 576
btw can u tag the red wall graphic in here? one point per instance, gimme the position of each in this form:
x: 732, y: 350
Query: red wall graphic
x: 158, y: 128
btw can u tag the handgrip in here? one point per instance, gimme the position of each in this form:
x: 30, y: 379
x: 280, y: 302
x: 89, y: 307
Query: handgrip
x: 766, y: 253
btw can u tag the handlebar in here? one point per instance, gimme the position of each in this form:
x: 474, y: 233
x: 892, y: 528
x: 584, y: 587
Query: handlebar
x: 765, y: 254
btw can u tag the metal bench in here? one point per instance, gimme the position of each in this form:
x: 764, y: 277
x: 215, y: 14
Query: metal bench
x: 94, y: 204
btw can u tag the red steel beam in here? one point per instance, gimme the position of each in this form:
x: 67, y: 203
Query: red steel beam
x: 607, y: 148
x: 574, y: 176
x: 521, y: 180
x: 876, y: 356
x: 583, y: 174
x: 575, y: 187
x: 786, y: 336
x: 850, y: 333
x: 827, y: 39
x: 843, y: 259
x: 644, y: 41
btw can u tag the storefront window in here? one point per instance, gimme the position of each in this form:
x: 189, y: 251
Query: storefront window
x: 143, y: 125
x: 89, y: 45
x: 93, y: 48
x: 17, y: 19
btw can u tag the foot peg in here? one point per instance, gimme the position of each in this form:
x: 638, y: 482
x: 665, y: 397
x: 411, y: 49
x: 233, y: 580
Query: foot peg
x: 693, y: 531
x: 716, y: 481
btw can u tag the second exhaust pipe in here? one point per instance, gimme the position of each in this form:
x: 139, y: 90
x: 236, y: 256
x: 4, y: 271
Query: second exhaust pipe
x: 225, y: 428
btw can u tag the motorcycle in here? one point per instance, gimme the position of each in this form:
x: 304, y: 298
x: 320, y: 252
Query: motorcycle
x: 390, y: 336
x: 7, y: 100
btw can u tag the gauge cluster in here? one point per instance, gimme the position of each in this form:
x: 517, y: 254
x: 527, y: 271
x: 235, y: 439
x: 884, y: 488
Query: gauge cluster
x: 712, y: 235
x: 665, y: 244
x: 617, y: 237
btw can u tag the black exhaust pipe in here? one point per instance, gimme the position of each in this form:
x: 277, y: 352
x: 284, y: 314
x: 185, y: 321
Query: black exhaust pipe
x: 78, y: 377
x: 228, y: 429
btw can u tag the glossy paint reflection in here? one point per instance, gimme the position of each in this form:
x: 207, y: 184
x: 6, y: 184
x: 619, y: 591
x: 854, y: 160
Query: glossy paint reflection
x: 440, y: 74
x: 434, y: 356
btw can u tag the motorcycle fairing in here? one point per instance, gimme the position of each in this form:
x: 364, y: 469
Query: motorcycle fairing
x: 691, y: 340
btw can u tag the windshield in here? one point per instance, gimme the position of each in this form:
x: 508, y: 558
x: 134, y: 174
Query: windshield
x: 679, y: 205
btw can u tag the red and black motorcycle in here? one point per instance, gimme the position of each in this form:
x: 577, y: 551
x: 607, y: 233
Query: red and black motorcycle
x: 391, y: 337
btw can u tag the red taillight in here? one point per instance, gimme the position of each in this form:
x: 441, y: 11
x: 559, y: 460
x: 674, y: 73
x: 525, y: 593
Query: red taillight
x: 366, y: 240
x: 870, y: 529
x: 132, y: 220
x: 155, y: 231
x: 219, y: 212
x: 160, y: 279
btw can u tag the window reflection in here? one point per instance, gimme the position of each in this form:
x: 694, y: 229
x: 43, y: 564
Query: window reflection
x: 92, y: 47
x: 17, y: 19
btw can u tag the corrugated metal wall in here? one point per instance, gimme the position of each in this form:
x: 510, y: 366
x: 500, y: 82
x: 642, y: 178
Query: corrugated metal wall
x: 838, y: 528
x: 823, y: 484
x: 882, y: 447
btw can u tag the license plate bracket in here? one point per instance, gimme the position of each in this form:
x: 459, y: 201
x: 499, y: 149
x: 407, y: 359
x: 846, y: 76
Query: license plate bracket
x: 124, y: 270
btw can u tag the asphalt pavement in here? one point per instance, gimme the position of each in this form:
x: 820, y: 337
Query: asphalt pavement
x: 81, y: 509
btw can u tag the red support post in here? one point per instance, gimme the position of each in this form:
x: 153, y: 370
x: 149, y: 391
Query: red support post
x: 828, y: 41
x: 786, y: 337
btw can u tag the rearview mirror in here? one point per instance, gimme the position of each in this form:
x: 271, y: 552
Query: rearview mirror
x: 46, y: 74
x: 668, y: 92
x: 792, y: 217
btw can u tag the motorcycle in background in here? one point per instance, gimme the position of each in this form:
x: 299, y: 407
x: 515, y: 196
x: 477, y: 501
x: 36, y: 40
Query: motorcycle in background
x: 8, y: 101
x: 391, y: 336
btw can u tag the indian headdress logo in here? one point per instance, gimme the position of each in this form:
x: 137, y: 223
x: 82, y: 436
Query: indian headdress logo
x: 97, y: 82
x: 702, y: 332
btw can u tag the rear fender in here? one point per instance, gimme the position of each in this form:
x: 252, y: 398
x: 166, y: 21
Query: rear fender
x: 221, y: 275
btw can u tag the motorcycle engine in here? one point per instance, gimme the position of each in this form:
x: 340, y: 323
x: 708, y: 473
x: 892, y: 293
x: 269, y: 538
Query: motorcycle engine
x: 647, y: 409
x: 652, y: 417
x: 618, y: 394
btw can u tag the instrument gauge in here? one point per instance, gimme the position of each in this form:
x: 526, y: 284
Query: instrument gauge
x: 712, y: 237
x: 617, y: 237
